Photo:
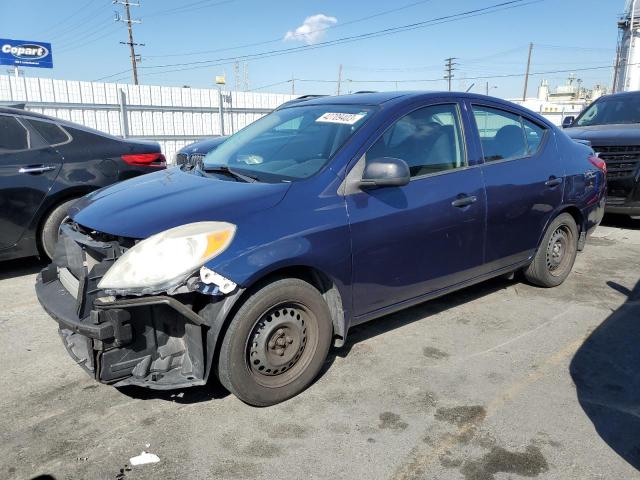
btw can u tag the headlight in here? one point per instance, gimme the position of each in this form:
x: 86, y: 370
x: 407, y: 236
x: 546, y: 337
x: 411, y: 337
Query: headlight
x: 167, y: 259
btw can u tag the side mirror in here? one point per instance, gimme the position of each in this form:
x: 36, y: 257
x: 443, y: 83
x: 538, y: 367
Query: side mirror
x: 568, y: 121
x: 385, y: 172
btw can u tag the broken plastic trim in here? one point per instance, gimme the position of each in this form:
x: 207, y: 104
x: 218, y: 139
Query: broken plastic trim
x: 209, y: 277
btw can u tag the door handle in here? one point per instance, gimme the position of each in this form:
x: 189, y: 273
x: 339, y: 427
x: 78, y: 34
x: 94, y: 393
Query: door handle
x: 37, y: 169
x: 464, y: 201
x: 553, y: 181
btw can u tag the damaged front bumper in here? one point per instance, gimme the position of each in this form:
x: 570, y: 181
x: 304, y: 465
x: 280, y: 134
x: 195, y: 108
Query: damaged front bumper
x: 151, y: 341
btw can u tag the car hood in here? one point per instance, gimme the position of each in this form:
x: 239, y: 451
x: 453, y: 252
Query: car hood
x: 152, y: 203
x: 203, y: 146
x: 620, y: 134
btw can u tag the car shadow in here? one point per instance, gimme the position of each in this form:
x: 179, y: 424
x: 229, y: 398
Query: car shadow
x: 606, y: 373
x: 390, y: 322
x: 213, y: 390
x: 620, y: 221
x: 20, y: 267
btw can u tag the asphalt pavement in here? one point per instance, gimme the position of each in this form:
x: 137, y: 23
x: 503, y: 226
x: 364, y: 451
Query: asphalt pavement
x: 501, y: 380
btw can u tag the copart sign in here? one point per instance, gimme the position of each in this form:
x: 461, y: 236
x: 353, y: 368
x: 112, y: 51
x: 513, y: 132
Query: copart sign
x: 25, y: 53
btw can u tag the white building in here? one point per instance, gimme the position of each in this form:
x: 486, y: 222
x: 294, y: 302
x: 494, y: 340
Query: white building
x: 566, y: 100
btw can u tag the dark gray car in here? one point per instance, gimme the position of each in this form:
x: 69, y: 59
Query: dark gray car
x: 611, y: 124
x: 46, y: 164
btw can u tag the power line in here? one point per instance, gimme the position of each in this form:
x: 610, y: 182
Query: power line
x: 438, y: 66
x: 57, y: 26
x: 429, y: 80
x: 279, y: 39
x: 273, y: 84
x: 439, y: 79
x: 190, y: 7
x: 71, y: 47
x: 83, y: 24
x: 484, y: 77
x: 375, y: 34
x: 83, y: 39
x: 566, y: 47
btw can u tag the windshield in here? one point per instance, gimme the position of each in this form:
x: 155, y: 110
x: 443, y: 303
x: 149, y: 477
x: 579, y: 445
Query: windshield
x: 622, y: 109
x: 289, y: 144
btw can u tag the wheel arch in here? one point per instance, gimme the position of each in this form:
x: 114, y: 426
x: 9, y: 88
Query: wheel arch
x: 52, y: 202
x: 223, y: 312
x: 577, y: 215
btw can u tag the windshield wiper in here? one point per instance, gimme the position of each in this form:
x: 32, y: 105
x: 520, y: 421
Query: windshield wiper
x: 231, y: 173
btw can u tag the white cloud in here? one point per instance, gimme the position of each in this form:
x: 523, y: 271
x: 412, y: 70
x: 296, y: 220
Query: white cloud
x: 312, y: 30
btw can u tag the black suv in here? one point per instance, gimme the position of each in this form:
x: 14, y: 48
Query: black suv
x: 46, y: 164
x: 612, y: 125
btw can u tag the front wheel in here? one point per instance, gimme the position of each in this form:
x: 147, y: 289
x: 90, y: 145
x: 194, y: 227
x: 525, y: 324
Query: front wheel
x: 557, y: 253
x: 276, y: 343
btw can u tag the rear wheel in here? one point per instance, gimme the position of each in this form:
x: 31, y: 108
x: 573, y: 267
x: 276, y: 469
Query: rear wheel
x: 276, y: 343
x: 557, y: 253
x: 51, y: 227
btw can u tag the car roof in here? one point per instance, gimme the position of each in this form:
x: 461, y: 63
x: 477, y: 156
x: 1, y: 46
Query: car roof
x: 376, y: 98
x: 380, y: 98
x: 394, y: 98
x: 631, y: 93
x: 26, y: 113
x: 67, y: 123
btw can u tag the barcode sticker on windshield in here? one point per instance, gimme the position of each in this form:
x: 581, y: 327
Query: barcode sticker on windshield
x: 343, y: 118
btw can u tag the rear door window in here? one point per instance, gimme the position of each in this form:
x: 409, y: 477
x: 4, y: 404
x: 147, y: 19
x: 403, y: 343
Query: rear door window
x: 51, y: 132
x: 506, y: 135
x: 13, y: 135
x: 501, y: 134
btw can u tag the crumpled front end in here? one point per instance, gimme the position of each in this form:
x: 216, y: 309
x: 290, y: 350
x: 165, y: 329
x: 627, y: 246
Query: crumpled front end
x: 152, y: 341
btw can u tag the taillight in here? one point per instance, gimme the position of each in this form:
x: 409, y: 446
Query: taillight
x: 598, y: 163
x: 145, y: 159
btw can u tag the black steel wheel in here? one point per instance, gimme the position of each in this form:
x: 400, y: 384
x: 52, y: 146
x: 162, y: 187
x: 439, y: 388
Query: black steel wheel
x: 276, y: 343
x: 557, y: 253
x: 558, y: 250
x: 276, y: 349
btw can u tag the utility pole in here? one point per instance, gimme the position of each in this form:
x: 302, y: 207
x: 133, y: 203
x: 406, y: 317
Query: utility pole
x: 293, y: 85
x: 488, y: 87
x: 616, y: 68
x: 632, y: 34
x: 132, y: 50
x: 236, y: 75
x: 246, y: 77
x: 339, y: 79
x: 526, y: 75
x: 449, y: 68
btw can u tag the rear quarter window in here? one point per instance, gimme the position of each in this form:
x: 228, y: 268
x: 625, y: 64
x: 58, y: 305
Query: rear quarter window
x: 51, y: 132
x: 533, y: 134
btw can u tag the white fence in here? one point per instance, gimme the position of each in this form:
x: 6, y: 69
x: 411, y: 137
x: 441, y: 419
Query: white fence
x: 172, y: 116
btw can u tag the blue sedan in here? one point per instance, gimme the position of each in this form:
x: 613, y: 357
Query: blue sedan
x: 323, y: 215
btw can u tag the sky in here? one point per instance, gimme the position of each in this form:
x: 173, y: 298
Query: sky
x: 381, y: 45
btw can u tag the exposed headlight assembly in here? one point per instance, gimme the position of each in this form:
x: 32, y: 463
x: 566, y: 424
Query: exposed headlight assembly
x: 167, y: 259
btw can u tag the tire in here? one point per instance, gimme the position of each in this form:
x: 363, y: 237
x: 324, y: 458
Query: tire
x: 557, y: 253
x: 276, y: 343
x: 51, y: 227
